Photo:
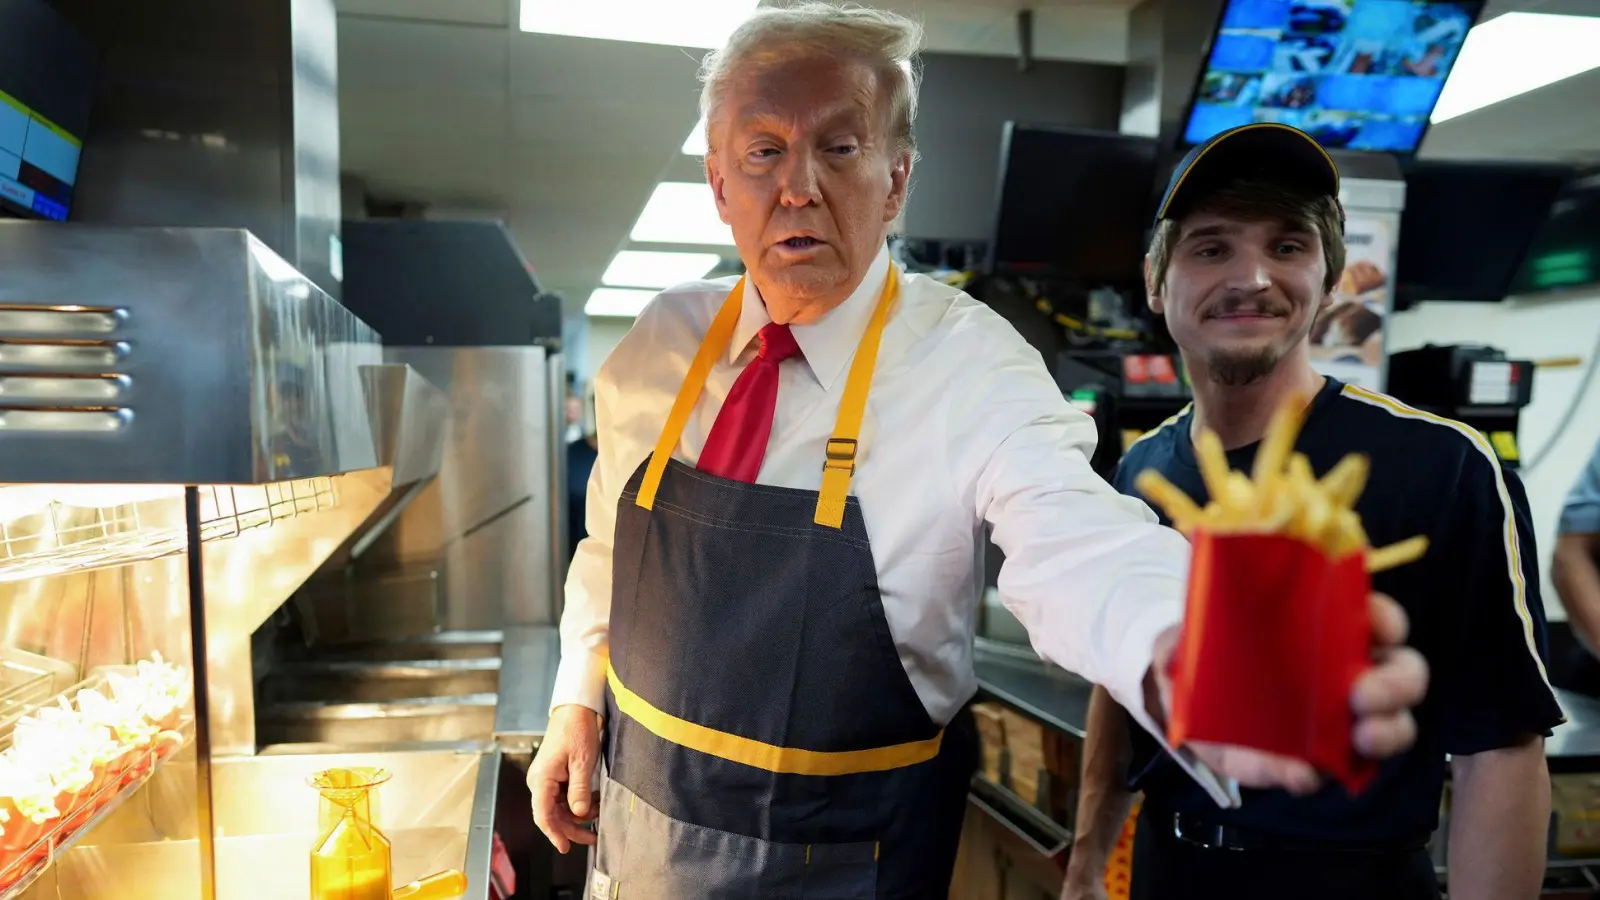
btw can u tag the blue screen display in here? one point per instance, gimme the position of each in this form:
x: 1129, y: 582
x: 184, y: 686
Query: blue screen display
x: 1354, y: 74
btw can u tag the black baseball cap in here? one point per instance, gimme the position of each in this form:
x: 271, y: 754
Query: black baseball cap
x: 1268, y: 150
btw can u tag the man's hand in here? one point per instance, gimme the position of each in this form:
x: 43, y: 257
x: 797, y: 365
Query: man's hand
x: 561, y: 775
x: 1381, y: 699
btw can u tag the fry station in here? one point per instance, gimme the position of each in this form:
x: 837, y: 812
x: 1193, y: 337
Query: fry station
x: 210, y: 676
x: 279, y: 543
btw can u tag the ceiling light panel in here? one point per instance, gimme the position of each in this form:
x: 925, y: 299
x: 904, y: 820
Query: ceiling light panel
x: 617, y: 302
x: 681, y: 212
x: 1516, y: 53
x: 695, y: 144
x: 680, y: 23
x: 657, y: 269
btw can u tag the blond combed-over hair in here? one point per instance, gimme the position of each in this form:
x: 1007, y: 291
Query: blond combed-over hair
x: 887, y: 41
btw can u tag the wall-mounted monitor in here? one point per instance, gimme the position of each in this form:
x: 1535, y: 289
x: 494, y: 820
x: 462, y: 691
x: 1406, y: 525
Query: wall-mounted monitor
x: 1565, y: 252
x: 1355, y: 74
x: 46, y: 85
x: 1468, y: 226
x: 1073, y: 204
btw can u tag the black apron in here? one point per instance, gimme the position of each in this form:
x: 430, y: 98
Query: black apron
x: 762, y: 737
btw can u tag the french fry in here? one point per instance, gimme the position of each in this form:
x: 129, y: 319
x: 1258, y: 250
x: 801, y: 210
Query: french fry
x: 1397, y: 554
x: 1281, y: 496
x: 1349, y: 536
x: 1283, y: 428
x: 1179, y: 508
x: 1213, y: 463
x: 1277, y: 505
x: 1241, y: 494
x: 1300, y: 470
x: 1344, y: 482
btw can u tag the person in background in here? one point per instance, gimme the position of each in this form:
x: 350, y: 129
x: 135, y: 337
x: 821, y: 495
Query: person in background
x: 772, y: 617
x: 582, y: 451
x: 574, y: 410
x: 1575, y: 565
x: 1247, y: 248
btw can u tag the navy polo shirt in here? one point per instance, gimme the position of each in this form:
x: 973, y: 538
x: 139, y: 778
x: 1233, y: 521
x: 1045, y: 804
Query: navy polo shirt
x: 1473, y: 602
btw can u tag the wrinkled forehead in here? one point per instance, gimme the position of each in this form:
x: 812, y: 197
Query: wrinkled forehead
x: 805, y: 91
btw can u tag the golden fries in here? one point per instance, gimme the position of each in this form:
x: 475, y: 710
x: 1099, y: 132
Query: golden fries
x: 1284, y: 496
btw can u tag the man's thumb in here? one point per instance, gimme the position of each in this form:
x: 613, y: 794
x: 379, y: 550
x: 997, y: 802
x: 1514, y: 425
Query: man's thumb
x: 580, y: 770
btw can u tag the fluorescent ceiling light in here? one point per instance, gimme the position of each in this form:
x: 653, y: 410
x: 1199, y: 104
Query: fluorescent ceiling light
x: 1516, y: 53
x: 695, y: 144
x: 681, y: 212
x: 682, y: 23
x: 657, y: 269
x: 617, y: 302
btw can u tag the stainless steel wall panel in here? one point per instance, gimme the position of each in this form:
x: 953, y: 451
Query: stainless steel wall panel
x: 486, y: 519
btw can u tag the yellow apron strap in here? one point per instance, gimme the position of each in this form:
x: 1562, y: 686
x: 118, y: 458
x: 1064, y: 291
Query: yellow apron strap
x: 714, y: 344
x: 839, y: 463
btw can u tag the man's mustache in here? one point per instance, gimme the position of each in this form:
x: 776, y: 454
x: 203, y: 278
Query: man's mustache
x: 1232, y: 306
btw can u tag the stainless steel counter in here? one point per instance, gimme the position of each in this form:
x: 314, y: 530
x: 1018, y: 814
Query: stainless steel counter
x: 1575, y: 745
x: 438, y: 812
x: 528, y: 658
x: 1060, y: 699
x: 1018, y: 678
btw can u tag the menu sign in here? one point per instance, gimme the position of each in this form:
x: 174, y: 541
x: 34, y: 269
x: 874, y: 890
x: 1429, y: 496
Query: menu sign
x: 1347, y: 338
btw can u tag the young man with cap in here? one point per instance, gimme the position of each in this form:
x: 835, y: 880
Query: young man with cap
x: 1248, y: 245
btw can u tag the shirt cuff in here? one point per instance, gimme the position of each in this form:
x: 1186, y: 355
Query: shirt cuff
x: 1129, y: 667
x: 580, y: 681
x: 1580, y: 518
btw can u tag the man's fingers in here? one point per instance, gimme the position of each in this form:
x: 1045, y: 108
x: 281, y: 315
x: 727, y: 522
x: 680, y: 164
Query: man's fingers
x: 1389, y: 624
x: 578, y: 834
x: 1256, y: 769
x: 580, y: 772
x: 547, y: 808
x: 1398, y: 682
x: 1380, y: 737
x: 561, y: 774
x: 555, y: 819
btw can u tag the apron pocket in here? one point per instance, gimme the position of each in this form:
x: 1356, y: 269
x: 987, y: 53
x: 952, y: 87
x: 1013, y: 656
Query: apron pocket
x: 644, y: 853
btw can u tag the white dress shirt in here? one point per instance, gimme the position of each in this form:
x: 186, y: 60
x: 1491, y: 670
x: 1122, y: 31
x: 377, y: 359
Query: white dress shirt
x: 964, y: 425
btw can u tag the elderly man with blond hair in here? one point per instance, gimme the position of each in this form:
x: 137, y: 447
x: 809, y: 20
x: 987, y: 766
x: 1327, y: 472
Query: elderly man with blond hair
x: 771, y: 621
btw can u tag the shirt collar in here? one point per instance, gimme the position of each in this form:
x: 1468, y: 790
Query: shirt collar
x: 830, y: 342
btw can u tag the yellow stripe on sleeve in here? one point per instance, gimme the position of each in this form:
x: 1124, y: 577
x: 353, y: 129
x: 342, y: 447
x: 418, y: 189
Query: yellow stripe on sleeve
x: 1512, y: 541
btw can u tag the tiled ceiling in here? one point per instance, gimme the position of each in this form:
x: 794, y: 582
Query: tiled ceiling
x: 447, y: 104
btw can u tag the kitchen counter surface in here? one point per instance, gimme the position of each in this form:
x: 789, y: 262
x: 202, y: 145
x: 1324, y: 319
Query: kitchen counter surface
x: 1060, y: 699
x: 528, y: 657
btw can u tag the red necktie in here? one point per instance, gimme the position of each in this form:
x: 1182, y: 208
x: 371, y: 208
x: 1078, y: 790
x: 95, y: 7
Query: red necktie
x: 738, y: 441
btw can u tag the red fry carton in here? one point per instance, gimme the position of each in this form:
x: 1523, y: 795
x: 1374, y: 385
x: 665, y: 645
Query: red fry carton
x: 1274, y: 636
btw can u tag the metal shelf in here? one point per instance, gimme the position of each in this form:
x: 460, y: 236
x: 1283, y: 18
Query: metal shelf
x: 1033, y: 827
x: 27, y: 865
x: 77, y: 528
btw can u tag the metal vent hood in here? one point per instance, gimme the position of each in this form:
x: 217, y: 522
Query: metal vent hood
x: 192, y: 356
x: 403, y: 272
x: 217, y: 115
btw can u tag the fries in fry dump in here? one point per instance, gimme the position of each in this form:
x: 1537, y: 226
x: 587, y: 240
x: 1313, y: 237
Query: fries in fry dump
x: 1281, y: 496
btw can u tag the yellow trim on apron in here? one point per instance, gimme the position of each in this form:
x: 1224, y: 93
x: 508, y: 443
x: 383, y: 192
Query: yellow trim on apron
x: 839, y: 462
x: 768, y: 757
